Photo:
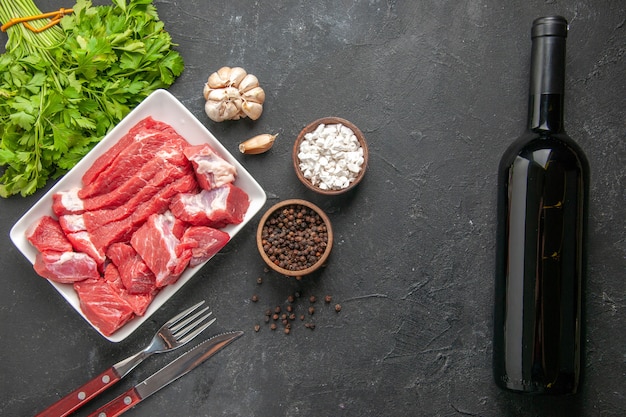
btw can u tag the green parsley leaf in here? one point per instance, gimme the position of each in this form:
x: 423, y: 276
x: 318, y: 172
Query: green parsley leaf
x: 64, y: 89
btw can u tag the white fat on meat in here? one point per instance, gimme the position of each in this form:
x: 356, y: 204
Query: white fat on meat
x: 141, y: 135
x: 66, y: 267
x: 212, y: 171
x: 223, y: 172
x: 71, y: 223
x: 165, y: 226
x: 71, y: 201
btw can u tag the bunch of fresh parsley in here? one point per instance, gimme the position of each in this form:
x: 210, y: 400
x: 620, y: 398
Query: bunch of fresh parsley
x: 63, y: 89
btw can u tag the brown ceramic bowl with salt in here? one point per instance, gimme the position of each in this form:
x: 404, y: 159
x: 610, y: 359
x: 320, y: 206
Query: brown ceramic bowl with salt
x: 311, y: 181
x: 301, y: 225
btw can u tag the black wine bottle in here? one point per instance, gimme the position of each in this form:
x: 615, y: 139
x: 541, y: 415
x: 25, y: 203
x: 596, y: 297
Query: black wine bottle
x: 543, y: 182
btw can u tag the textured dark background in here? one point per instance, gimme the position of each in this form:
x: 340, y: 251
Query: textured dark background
x: 439, y: 89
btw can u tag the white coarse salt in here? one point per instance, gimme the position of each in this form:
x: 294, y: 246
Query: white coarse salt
x: 331, y: 156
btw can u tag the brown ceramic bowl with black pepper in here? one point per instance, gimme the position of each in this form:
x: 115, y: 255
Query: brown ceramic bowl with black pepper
x: 311, y: 127
x: 294, y: 237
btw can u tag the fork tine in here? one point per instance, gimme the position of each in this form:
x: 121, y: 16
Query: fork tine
x: 183, y: 330
x: 196, y: 332
x: 182, y: 324
x: 182, y: 314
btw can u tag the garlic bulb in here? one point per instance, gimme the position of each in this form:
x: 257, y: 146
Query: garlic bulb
x: 231, y: 94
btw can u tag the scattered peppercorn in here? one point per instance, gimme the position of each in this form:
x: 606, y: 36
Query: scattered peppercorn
x: 259, y: 280
x: 254, y: 298
x: 287, y: 313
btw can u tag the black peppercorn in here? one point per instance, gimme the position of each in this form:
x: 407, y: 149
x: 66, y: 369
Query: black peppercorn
x: 294, y: 238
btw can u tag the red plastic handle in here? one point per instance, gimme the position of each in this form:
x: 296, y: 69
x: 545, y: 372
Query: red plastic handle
x: 119, y: 405
x: 82, y: 395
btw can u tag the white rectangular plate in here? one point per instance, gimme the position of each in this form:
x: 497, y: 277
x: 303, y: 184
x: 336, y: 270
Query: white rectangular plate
x: 162, y: 106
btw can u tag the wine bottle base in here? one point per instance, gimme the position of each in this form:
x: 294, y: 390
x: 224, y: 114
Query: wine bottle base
x: 534, y: 387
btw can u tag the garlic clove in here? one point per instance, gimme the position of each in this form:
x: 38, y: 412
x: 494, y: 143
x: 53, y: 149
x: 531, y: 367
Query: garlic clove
x: 238, y: 102
x: 216, y: 95
x: 213, y: 110
x: 206, y: 91
x: 256, y: 95
x: 236, y: 75
x: 224, y: 74
x: 258, y: 144
x: 252, y: 110
x: 248, y: 82
x: 230, y: 111
x: 215, y: 81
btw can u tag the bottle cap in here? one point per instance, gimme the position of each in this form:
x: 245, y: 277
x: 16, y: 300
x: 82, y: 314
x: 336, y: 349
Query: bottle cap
x: 550, y: 26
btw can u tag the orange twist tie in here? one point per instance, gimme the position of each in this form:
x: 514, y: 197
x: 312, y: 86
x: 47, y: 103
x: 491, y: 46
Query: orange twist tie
x: 55, y: 17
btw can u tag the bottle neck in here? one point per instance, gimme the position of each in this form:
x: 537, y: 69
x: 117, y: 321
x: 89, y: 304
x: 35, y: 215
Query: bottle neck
x: 545, y: 113
x: 547, y: 79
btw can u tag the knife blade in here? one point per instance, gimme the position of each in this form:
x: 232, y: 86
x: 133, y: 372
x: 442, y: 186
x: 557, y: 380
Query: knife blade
x: 170, y: 373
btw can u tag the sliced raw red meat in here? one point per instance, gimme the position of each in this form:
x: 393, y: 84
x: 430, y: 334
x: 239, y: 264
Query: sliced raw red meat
x: 66, y: 267
x: 211, y: 170
x: 138, y: 302
x: 145, y: 144
x: 81, y: 241
x: 47, y: 235
x: 109, y: 156
x: 102, y: 305
x: 95, y: 219
x: 203, y: 242
x: 156, y: 243
x: 135, y: 274
x: 166, y: 165
x: 215, y: 208
x: 121, y: 230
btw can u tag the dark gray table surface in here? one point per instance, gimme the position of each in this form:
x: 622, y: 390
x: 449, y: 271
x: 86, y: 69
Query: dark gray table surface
x: 439, y: 90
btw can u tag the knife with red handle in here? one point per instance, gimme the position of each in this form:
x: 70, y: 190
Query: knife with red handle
x: 171, y: 372
x: 75, y: 399
x: 176, y: 332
